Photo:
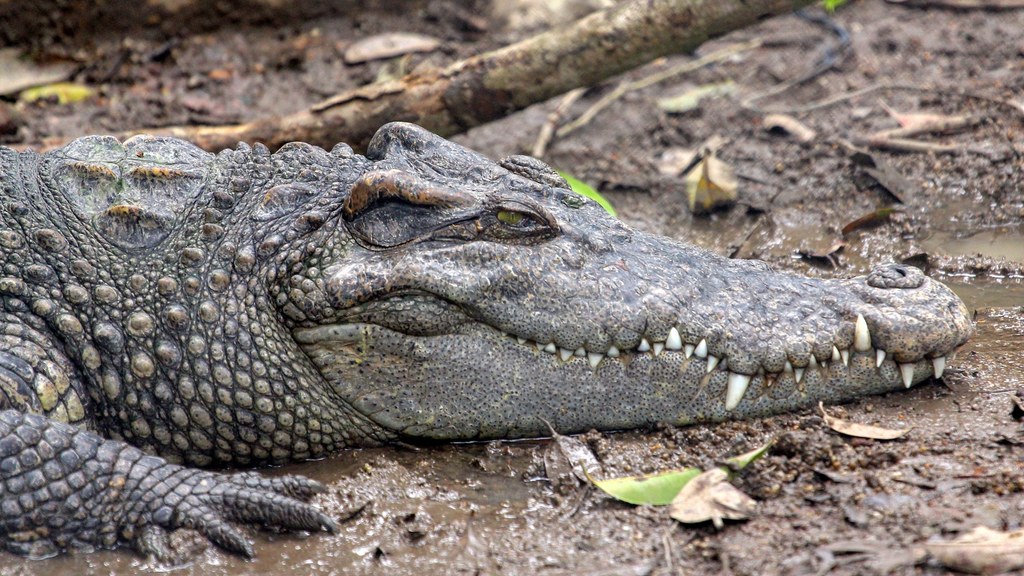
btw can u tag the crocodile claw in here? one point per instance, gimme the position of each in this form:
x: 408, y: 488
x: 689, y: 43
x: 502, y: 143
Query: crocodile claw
x: 215, y: 502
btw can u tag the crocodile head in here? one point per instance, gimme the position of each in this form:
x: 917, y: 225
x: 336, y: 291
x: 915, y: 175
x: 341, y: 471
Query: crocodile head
x: 461, y: 298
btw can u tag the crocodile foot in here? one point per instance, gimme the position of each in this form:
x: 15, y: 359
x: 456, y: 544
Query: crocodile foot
x: 61, y: 487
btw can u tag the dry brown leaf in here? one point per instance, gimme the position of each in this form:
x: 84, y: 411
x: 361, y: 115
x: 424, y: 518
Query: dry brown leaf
x: 870, y: 219
x: 674, y: 161
x: 981, y: 551
x: 710, y: 184
x: 789, y: 125
x: 388, y: 46
x: 859, y: 430
x: 709, y: 496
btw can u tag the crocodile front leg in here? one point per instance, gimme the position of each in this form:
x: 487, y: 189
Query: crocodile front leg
x: 62, y: 487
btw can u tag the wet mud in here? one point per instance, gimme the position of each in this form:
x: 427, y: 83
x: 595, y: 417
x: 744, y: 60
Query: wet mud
x: 828, y: 504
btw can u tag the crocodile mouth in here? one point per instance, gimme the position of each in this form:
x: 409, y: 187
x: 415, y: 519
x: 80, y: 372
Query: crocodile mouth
x: 482, y: 382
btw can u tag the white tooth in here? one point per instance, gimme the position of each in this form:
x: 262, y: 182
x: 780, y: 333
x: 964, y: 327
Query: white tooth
x: 658, y: 347
x: 737, y: 388
x: 907, y: 371
x: 712, y: 362
x: 521, y: 340
x: 845, y: 353
x: 701, y: 351
x: 788, y: 367
x: 940, y: 365
x: 673, y: 342
x: 540, y: 346
x: 835, y: 354
x: 580, y: 352
x: 688, y: 350
x: 813, y: 362
x: 594, y: 359
x: 613, y: 352
x: 564, y: 354
x: 644, y: 345
x: 879, y: 357
x: 798, y: 374
x: 861, y: 336
x: 551, y: 348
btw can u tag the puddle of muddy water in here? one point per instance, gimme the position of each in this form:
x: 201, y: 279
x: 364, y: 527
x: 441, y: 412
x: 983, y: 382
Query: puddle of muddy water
x: 988, y: 293
x: 1003, y: 242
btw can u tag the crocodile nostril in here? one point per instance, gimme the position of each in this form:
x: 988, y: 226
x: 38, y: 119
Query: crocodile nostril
x: 896, y: 276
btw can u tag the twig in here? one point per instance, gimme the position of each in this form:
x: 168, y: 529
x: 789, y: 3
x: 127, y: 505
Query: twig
x: 944, y: 125
x: 828, y: 60
x: 547, y: 131
x: 626, y: 87
x: 882, y: 142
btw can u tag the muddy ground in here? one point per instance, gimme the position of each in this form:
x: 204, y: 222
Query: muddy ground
x: 828, y: 504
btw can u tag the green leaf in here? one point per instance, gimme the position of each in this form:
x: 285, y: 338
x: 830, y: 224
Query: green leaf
x: 831, y: 5
x: 743, y: 460
x: 653, y: 489
x: 584, y: 189
x: 660, y: 489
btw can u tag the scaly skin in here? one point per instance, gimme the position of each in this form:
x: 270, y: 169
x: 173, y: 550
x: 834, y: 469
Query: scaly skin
x: 249, y: 308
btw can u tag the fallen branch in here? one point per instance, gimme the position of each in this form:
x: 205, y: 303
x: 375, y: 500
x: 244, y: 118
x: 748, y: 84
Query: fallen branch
x: 492, y: 85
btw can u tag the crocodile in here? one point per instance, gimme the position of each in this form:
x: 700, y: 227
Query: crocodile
x: 168, y: 312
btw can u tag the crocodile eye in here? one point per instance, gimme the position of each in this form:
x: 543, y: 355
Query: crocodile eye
x: 517, y: 224
x: 511, y: 218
